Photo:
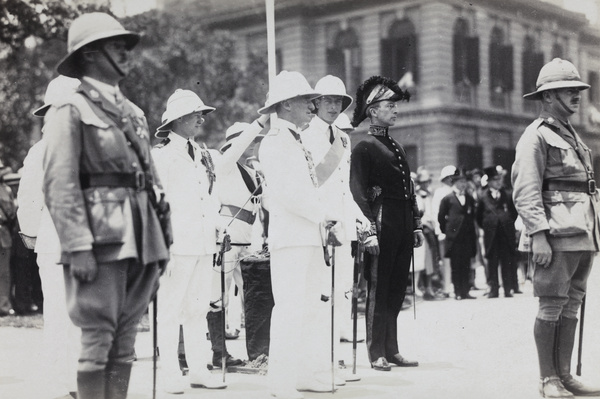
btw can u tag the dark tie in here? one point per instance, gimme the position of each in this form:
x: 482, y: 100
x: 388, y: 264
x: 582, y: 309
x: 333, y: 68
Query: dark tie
x: 191, y: 150
x: 331, y: 136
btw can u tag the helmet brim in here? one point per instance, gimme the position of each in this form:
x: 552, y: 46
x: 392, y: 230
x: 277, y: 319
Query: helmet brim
x: 562, y: 84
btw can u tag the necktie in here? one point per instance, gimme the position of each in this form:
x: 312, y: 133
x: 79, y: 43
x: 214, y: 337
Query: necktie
x: 190, y: 148
x: 331, y: 136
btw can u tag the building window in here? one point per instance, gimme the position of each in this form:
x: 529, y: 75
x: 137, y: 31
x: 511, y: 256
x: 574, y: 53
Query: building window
x: 465, y: 51
x: 501, y: 69
x: 533, y: 61
x: 469, y: 156
x: 399, y: 51
x: 594, y: 91
x: 344, y: 59
x: 557, y: 51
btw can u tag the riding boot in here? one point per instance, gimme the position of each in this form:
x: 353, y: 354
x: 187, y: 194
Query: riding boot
x: 117, y: 380
x: 550, y: 385
x: 91, y: 384
x: 217, y: 340
x: 564, y: 351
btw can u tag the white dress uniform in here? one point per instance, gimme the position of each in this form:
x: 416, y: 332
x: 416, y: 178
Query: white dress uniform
x: 61, y: 338
x: 332, y: 164
x: 233, y: 194
x: 185, y: 287
x: 297, y: 261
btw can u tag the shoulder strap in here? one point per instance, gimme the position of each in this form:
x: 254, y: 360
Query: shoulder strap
x: 250, y: 185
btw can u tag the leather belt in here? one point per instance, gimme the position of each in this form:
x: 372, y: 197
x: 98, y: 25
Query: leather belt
x: 588, y: 187
x: 239, y: 213
x: 137, y: 180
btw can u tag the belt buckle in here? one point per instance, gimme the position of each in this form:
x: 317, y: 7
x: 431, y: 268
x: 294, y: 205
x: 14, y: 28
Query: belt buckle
x: 140, y: 180
x: 591, y: 186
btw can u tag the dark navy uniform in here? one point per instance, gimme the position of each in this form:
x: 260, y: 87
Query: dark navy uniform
x: 381, y: 185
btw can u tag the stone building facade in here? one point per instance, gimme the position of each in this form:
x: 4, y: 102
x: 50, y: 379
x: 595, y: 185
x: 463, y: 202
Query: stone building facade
x: 467, y: 64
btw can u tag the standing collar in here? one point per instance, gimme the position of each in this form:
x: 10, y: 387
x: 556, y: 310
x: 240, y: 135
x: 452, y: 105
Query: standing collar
x: 181, y: 141
x: 378, y: 131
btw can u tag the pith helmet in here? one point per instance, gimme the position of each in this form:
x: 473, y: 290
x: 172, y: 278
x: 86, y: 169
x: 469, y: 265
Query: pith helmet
x: 60, y: 87
x: 333, y: 86
x: 285, y: 86
x: 181, y: 103
x: 87, y: 29
x: 557, y: 74
x: 343, y: 123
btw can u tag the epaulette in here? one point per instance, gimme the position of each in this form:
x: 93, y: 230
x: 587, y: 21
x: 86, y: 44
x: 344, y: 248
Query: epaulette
x: 549, y: 122
x: 163, y: 143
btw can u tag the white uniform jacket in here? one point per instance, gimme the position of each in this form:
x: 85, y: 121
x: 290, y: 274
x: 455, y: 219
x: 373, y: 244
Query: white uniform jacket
x: 332, y: 164
x: 34, y: 218
x: 295, y: 209
x: 194, y: 212
x: 231, y: 189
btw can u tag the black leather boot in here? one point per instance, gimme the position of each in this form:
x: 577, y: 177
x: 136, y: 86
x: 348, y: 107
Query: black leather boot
x: 117, y: 380
x: 564, y: 352
x: 550, y: 385
x: 91, y: 384
x: 215, y: 330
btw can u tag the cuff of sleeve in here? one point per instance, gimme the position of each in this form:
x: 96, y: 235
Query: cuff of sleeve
x: 373, y: 229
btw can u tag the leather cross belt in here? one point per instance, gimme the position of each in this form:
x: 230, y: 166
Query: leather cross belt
x: 238, y: 213
x: 588, y: 187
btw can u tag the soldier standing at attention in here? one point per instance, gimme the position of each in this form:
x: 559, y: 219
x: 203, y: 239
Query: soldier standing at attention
x: 555, y: 195
x: 103, y: 195
x: 381, y: 185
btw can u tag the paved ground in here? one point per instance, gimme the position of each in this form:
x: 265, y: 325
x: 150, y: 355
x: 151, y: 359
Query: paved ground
x: 469, y: 349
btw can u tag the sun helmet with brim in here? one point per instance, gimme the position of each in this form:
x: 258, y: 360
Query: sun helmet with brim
x: 89, y: 28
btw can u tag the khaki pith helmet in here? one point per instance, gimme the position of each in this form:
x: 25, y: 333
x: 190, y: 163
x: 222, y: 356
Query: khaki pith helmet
x: 557, y: 74
x: 87, y: 29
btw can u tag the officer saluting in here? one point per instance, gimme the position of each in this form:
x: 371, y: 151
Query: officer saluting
x: 382, y: 188
x: 101, y: 189
x: 555, y: 195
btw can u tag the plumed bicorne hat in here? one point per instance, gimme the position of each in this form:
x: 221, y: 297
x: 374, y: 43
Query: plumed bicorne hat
x: 374, y: 90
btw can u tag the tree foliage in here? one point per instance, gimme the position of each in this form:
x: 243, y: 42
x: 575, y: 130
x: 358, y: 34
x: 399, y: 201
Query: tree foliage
x: 175, y: 52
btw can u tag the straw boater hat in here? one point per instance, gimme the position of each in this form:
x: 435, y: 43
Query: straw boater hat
x: 285, y: 86
x: 58, y: 88
x: 333, y: 86
x: 374, y: 90
x: 181, y: 103
x: 557, y: 74
x: 87, y: 29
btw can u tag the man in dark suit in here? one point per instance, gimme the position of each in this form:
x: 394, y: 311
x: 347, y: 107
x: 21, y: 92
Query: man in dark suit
x: 381, y: 185
x: 457, y: 221
x: 100, y: 187
x: 496, y: 215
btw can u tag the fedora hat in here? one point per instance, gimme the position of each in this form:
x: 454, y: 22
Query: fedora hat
x: 285, y: 86
x: 89, y: 28
x: 59, y: 88
x: 333, y: 86
x: 181, y: 103
x: 557, y: 74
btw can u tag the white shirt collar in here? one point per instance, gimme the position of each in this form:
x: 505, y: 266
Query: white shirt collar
x: 320, y: 125
x: 181, y: 141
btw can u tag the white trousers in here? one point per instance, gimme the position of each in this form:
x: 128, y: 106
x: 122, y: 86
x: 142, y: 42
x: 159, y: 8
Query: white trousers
x: 184, y: 298
x: 61, y: 339
x: 233, y: 272
x: 300, y: 332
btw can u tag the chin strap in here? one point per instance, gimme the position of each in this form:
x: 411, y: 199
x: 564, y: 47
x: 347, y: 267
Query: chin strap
x: 111, y: 61
x: 563, y: 105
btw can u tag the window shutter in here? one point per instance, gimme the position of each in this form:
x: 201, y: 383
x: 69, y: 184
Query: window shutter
x: 457, y: 56
x: 414, y: 57
x: 336, y: 64
x: 387, y: 56
x: 507, y: 68
x: 472, y: 59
